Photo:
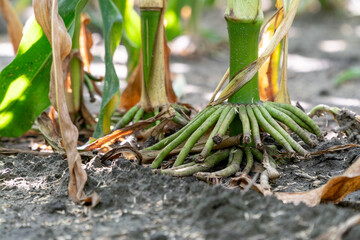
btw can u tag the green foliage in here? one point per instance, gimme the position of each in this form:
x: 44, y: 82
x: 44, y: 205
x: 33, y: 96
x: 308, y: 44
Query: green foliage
x: 112, y: 30
x: 349, y: 74
x: 24, y: 83
x: 132, y: 33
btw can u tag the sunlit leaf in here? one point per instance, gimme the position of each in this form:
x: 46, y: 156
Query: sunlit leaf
x: 24, y: 83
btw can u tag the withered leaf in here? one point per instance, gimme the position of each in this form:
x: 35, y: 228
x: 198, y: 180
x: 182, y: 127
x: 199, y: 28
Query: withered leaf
x: 46, y: 14
x: 14, y: 26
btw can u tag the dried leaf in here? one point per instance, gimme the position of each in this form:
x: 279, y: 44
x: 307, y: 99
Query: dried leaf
x: 283, y: 95
x: 14, y: 26
x: 171, y: 96
x: 86, y: 41
x: 126, y: 131
x: 241, y: 78
x: 334, y: 149
x: 245, y: 181
x: 46, y: 14
x: 269, y: 72
x: 50, y: 133
x: 132, y: 93
x: 334, y: 190
x: 116, y: 152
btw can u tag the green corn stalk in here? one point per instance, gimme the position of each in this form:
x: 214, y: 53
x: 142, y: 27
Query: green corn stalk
x: 244, y: 19
x: 153, y: 93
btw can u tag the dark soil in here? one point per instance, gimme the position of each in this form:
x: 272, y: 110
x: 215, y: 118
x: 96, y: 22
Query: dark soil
x: 137, y: 204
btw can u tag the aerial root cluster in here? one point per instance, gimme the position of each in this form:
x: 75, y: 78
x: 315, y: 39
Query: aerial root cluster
x: 136, y: 113
x: 269, y: 117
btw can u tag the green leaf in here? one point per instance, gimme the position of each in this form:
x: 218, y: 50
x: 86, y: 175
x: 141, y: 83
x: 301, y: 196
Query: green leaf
x: 131, y: 38
x: 24, y: 83
x: 112, y: 29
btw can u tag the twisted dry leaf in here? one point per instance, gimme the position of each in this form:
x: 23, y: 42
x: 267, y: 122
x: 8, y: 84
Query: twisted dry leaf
x: 46, y: 14
x: 14, y: 25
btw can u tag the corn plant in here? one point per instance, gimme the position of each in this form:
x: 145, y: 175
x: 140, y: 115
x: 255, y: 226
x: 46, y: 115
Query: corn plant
x: 243, y: 113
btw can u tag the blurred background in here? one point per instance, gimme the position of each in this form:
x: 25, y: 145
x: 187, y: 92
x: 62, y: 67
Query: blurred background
x: 324, y: 49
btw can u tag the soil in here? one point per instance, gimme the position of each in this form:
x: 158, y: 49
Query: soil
x: 137, y: 204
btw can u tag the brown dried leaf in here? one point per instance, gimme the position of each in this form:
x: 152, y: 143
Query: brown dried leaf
x: 50, y: 132
x: 172, y: 98
x: 334, y: 190
x: 86, y: 41
x: 116, y: 152
x: 14, y: 26
x: 245, y: 181
x: 46, y: 14
x: 126, y: 131
x: 132, y: 93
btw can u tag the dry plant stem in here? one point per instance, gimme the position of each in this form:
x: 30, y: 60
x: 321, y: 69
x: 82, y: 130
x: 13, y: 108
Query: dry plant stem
x: 254, y: 127
x: 182, y: 137
x: 210, y: 143
x: 169, y: 139
x: 305, y: 118
x: 209, y: 162
x: 264, y: 180
x: 272, y: 131
x: 283, y: 95
x: 230, y: 170
x: 295, y: 145
x: 127, y: 117
x: 291, y: 124
x: 291, y: 115
x: 245, y: 124
x: 196, y: 135
x: 249, y: 159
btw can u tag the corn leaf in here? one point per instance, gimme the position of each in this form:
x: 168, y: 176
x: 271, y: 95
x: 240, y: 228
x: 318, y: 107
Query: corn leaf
x: 24, y: 83
x: 112, y: 30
